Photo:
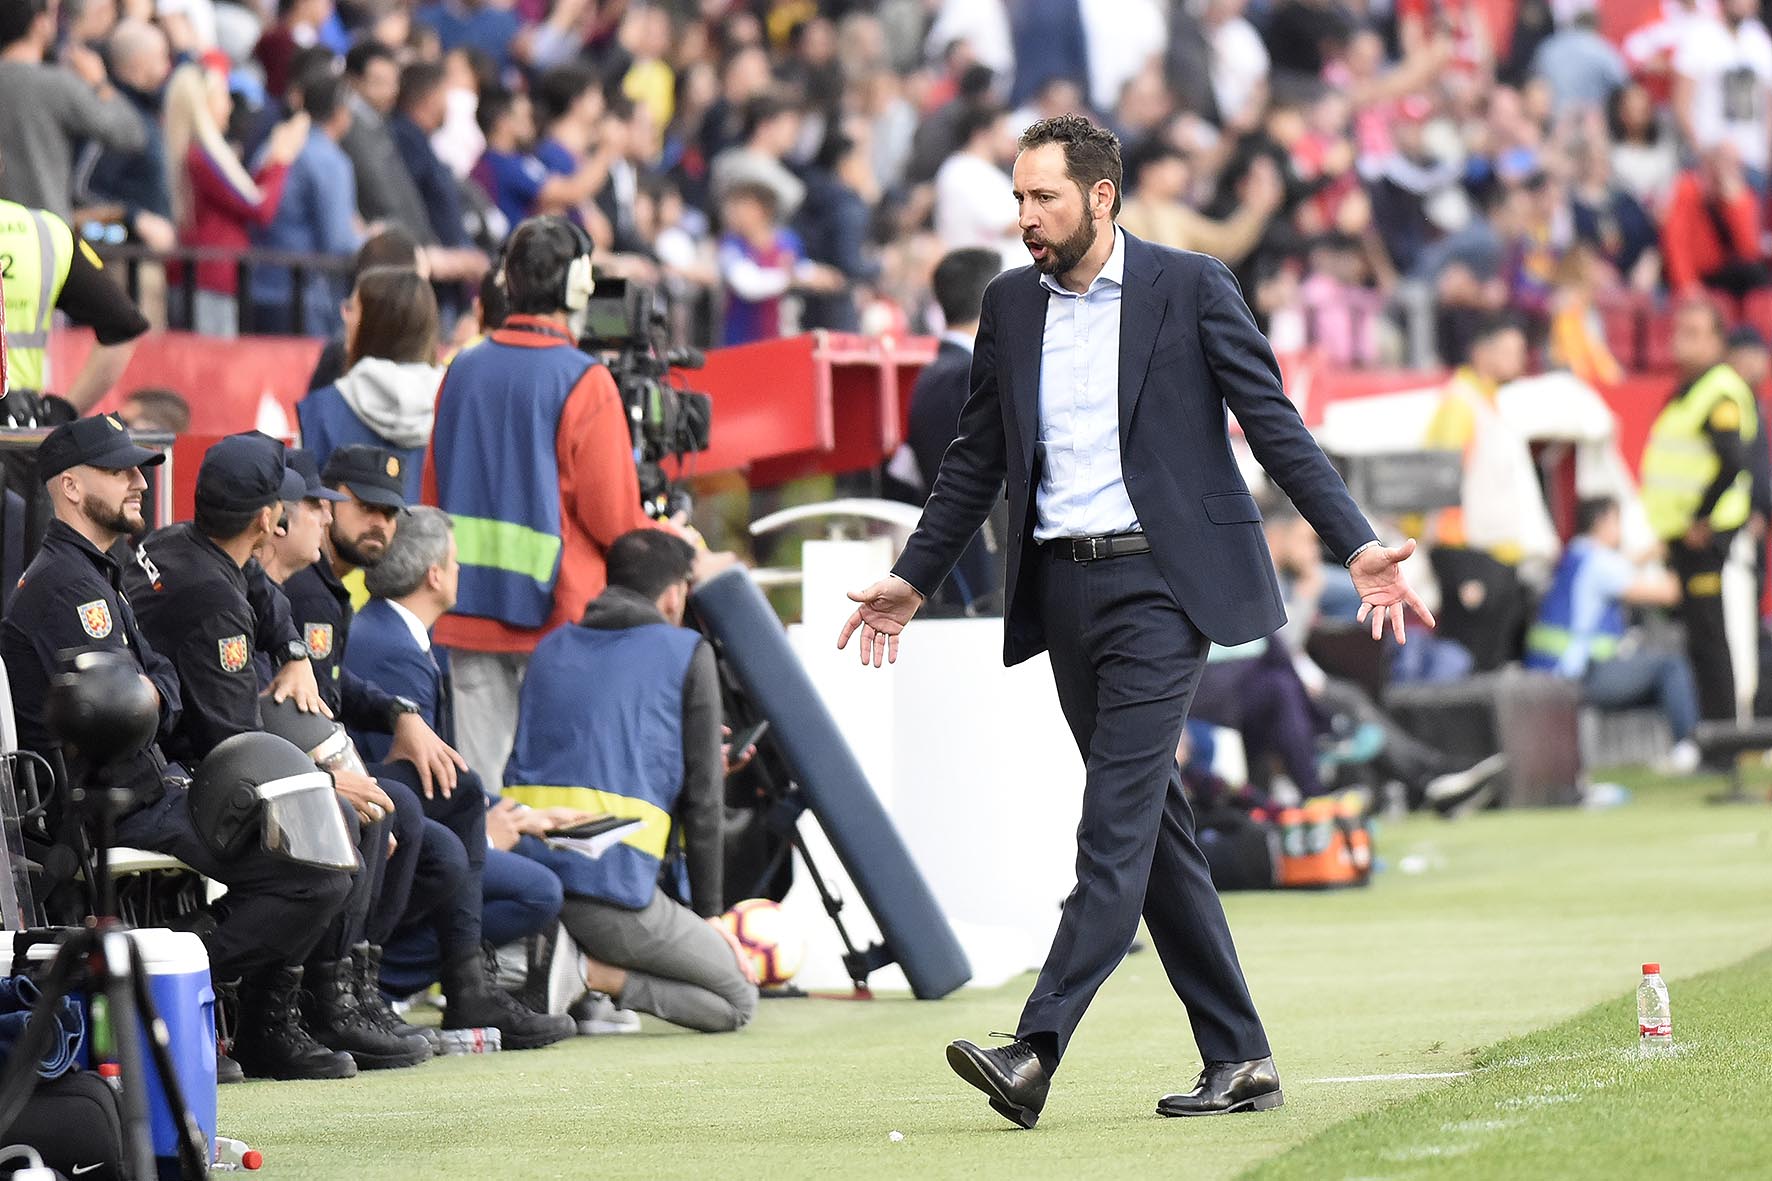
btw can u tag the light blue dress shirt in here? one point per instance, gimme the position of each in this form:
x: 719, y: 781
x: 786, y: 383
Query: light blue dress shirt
x: 1081, y: 490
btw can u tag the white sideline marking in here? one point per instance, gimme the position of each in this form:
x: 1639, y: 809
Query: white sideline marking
x: 1390, y: 1078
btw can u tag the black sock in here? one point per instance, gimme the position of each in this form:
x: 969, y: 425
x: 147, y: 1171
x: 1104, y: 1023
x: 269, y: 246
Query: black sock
x: 1046, y: 1048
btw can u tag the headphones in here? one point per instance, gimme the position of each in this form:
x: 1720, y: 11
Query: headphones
x: 580, y: 282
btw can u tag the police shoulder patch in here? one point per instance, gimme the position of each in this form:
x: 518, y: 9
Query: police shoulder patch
x: 95, y: 618
x: 235, y: 653
x: 318, y: 637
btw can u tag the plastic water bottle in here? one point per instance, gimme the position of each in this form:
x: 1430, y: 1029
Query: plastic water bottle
x: 1655, y: 1020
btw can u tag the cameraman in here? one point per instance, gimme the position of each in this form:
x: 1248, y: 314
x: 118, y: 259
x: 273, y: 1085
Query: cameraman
x: 275, y: 911
x: 621, y: 714
x: 531, y: 457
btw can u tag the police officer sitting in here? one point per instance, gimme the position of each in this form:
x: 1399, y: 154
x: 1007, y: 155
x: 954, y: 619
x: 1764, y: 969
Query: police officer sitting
x: 366, y: 487
x: 191, y: 586
x: 71, y: 598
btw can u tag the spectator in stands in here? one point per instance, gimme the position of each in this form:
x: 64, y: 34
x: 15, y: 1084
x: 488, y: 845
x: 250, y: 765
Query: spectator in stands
x: 577, y: 146
x: 486, y: 26
x: 391, y: 246
x: 648, y: 925
x: 51, y: 108
x: 215, y: 201
x: 1159, y: 209
x: 1723, y: 80
x: 315, y: 217
x: 1610, y: 219
x: 1582, y: 67
x: 1644, y: 155
x: 154, y: 408
x: 562, y: 480
x: 833, y: 228
x: 385, y: 188
x: 771, y: 129
x: 1408, y: 182
x: 70, y: 599
x: 387, y: 397
x: 1501, y: 520
x: 411, y: 587
x: 1582, y: 624
x: 299, y: 24
x: 422, y: 106
x: 973, y: 201
x: 507, y: 171
x: 1697, y: 477
x: 137, y: 181
x: 1577, y: 335
x: 760, y: 262
x: 1710, y: 234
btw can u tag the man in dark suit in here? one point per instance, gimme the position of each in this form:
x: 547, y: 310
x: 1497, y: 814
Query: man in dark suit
x: 936, y: 401
x: 1100, y: 381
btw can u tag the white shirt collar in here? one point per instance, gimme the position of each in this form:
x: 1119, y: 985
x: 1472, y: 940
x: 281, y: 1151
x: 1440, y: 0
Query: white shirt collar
x: 1113, y: 271
x: 413, y: 624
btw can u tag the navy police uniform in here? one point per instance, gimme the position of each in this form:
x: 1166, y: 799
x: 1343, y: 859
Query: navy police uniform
x: 71, y: 599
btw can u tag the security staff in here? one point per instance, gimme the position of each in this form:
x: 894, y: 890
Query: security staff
x: 190, y: 587
x: 71, y: 598
x: 1697, y: 482
x: 45, y: 269
x: 367, y: 497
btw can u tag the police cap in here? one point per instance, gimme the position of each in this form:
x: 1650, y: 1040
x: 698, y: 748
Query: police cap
x: 373, y: 475
x: 97, y: 442
x: 248, y: 471
x: 302, y: 462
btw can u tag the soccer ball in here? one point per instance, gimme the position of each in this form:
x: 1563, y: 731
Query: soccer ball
x: 775, y: 944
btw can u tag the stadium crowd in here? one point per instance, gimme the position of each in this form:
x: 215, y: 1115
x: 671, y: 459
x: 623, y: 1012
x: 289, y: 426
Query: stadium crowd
x: 1460, y: 184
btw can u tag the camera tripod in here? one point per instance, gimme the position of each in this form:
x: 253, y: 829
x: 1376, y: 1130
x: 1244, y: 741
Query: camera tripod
x: 102, y: 954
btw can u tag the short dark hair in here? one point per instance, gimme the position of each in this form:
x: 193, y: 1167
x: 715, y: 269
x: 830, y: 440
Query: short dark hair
x: 17, y: 17
x: 1091, y: 153
x: 495, y: 104
x: 1591, y: 511
x: 649, y: 561
x: 753, y: 190
x: 396, y: 316
x: 562, y: 86
x: 536, y: 258
x: 974, y: 118
x: 1494, y: 324
x: 417, y: 81
x: 167, y: 405
x: 322, y: 92
x: 1153, y: 151
x: 366, y: 51
x: 390, y: 246
x: 960, y: 279
x: 308, y: 64
x: 762, y: 108
x: 223, y: 524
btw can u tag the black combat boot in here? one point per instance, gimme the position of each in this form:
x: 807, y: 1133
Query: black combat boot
x: 271, y: 1042
x: 227, y: 1020
x: 366, y: 958
x: 340, y: 1021
x: 476, y: 1001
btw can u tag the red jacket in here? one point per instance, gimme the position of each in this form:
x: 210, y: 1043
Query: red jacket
x: 599, y: 501
x: 221, y: 216
x: 1691, y: 245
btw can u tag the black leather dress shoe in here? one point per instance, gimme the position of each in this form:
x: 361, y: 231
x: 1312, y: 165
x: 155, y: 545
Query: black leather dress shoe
x: 1224, y: 1087
x: 1011, y: 1075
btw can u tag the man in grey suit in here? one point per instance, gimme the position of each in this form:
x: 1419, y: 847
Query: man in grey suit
x: 1100, y: 382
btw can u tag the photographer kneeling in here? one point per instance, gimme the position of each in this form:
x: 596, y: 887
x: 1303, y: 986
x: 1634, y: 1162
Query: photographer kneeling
x: 645, y: 742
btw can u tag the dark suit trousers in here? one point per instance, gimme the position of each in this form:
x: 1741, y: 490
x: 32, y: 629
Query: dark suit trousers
x: 1127, y: 660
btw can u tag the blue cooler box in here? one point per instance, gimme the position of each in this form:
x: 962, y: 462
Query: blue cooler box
x: 177, y: 966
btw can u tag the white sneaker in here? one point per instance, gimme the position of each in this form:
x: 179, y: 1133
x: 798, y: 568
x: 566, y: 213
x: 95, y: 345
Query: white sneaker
x: 1682, y: 759
x: 597, y: 1016
x: 1467, y: 790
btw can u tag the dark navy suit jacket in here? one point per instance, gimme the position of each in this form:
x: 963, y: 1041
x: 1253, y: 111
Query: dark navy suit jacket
x: 382, y: 648
x: 1188, y: 350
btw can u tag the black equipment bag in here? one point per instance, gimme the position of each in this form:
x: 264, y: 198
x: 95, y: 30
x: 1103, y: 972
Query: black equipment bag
x: 76, y: 1124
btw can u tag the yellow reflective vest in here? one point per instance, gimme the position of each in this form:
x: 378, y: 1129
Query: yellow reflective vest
x: 1679, y: 462
x: 36, y: 251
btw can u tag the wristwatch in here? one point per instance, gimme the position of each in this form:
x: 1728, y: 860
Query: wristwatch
x: 293, y: 650
x: 401, y: 706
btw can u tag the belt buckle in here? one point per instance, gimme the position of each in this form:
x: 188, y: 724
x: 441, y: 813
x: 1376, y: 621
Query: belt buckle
x: 1094, y: 553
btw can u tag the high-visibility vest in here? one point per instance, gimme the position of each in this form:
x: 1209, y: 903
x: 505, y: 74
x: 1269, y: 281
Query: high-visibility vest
x: 1679, y: 463
x: 1553, y: 644
x: 36, y: 251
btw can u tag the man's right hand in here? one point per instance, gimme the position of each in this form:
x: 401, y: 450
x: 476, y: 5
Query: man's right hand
x: 364, y: 794
x: 886, y: 607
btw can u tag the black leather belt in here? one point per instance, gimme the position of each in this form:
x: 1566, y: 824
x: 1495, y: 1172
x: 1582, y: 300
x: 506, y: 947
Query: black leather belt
x: 1094, y: 549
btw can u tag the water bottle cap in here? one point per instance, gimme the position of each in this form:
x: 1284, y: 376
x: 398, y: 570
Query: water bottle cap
x: 1651, y: 969
x: 110, y: 1070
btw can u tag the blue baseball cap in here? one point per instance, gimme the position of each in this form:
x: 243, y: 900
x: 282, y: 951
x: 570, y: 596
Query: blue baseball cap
x: 248, y: 471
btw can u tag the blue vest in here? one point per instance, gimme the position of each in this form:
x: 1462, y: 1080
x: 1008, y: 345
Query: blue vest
x: 600, y: 727
x: 498, y: 419
x: 1554, y: 636
x: 328, y: 423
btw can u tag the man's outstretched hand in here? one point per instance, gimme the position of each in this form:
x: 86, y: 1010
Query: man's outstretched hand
x: 1378, y: 576
x: 885, y: 608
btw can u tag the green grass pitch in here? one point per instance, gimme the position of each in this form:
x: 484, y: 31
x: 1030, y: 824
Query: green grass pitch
x: 1507, y: 962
